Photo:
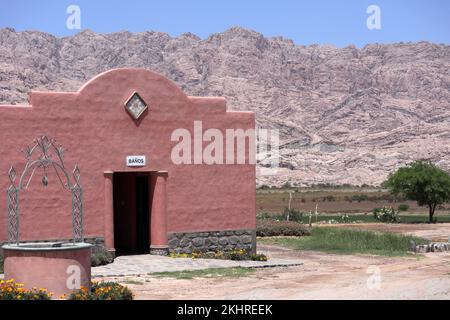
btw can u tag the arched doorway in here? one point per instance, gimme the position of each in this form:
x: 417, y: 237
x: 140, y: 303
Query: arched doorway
x: 132, y: 210
x: 135, y: 212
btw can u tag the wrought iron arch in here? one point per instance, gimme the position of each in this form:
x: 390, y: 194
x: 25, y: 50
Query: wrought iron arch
x: 46, y: 155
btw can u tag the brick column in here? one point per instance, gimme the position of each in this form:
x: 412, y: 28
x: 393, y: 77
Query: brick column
x: 109, y: 212
x: 158, y: 218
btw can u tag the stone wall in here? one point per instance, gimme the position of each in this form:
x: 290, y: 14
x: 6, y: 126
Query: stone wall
x: 212, y: 241
x: 431, y: 247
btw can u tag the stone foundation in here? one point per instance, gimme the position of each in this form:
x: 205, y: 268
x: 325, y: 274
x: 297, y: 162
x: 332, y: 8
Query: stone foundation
x: 212, y: 241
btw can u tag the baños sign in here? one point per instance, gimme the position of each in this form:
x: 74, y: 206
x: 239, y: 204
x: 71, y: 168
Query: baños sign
x: 136, y: 161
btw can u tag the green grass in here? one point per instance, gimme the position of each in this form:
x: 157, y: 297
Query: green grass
x: 346, y: 241
x: 325, y: 218
x: 130, y: 281
x: 206, y: 273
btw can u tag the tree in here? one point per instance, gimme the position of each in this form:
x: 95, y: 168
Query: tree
x: 423, y: 182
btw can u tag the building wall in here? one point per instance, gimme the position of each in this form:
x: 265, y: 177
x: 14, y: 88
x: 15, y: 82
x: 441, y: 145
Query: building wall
x: 98, y: 133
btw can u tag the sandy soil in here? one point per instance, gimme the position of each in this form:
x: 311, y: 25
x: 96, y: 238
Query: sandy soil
x: 323, y: 276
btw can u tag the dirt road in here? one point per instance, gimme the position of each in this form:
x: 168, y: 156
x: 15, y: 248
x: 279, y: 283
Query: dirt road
x: 323, y: 276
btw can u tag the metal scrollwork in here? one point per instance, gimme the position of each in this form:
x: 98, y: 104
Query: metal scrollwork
x: 45, y: 155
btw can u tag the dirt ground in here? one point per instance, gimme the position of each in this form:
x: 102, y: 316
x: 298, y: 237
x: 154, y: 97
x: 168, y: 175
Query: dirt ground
x: 335, y: 201
x: 323, y: 276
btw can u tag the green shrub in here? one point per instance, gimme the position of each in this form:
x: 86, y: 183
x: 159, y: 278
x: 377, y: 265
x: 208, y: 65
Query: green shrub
x: 271, y: 228
x: 360, y: 197
x: 1, y: 264
x: 386, y: 215
x: 103, y: 291
x: 235, y: 254
x: 294, y: 215
x: 263, y: 215
x: 403, y: 207
x: 100, y: 256
x: 258, y: 257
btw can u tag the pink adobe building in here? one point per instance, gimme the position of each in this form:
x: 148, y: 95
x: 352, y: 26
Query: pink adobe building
x: 119, y: 129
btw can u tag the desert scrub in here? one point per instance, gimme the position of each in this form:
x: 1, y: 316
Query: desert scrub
x: 11, y: 290
x: 347, y: 241
x: 271, y: 228
x: 102, y: 291
x: 235, y: 254
x: 206, y: 273
x: 386, y: 214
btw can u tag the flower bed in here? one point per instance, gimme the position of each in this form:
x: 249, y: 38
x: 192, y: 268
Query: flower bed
x: 234, y: 254
x: 11, y: 290
x: 102, y: 291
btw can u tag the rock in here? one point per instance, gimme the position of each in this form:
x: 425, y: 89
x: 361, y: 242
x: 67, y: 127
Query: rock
x: 185, y: 242
x: 173, y: 243
x: 233, y: 240
x: 246, y: 239
x: 198, y: 242
x: 433, y: 247
x: 187, y: 250
x: 211, y: 241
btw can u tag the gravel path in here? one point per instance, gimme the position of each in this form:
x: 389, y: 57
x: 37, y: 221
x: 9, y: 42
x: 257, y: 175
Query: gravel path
x: 146, y: 264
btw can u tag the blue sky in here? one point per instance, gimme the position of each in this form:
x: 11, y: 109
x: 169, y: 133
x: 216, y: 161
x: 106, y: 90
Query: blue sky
x: 306, y: 22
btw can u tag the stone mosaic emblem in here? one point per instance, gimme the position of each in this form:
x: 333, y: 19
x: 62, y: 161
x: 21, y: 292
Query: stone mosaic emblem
x: 135, y: 106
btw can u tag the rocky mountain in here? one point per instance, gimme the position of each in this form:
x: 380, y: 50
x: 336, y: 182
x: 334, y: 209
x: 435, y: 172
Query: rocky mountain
x: 346, y: 115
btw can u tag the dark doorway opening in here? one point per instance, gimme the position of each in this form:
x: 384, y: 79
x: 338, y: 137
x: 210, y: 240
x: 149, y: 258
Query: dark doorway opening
x: 131, y: 213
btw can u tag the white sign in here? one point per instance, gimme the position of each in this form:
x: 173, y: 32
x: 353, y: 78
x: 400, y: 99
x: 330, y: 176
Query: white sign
x: 135, y: 161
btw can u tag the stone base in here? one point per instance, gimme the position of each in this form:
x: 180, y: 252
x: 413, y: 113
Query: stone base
x: 159, y: 251
x: 112, y: 253
x: 212, y: 241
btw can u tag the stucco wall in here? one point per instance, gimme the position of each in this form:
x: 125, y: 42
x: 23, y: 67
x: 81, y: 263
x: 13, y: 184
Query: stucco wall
x: 98, y: 134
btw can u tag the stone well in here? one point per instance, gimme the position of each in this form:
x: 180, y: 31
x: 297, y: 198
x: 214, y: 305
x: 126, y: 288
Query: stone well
x: 58, y: 267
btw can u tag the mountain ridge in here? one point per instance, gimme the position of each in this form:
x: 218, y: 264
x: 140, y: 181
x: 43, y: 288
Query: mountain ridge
x: 345, y: 115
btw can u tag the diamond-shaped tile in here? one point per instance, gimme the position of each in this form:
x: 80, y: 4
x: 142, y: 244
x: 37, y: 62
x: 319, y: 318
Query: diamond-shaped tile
x: 135, y: 106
